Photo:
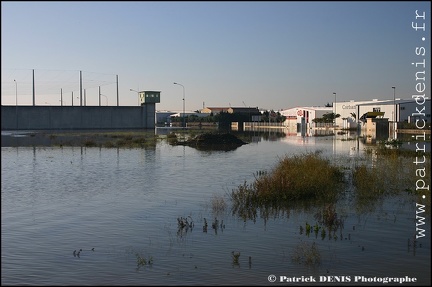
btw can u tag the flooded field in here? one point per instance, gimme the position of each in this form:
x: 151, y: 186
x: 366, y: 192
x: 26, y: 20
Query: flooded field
x: 163, y: 215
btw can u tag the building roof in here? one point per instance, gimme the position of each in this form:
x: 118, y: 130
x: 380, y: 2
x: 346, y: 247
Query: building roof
x: 391, y: 102
x: 311, y: 108
x: 371, y: 115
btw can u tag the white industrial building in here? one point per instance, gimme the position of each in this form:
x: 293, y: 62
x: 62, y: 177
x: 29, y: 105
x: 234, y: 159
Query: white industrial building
x: 394, y: 110
x: 351, y: 112
x: 305, y: 115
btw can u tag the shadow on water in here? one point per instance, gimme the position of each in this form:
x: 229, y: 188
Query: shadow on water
x: 209, y: 141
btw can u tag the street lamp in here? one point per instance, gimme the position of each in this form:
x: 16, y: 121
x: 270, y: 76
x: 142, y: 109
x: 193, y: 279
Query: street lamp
x: 132, y: 90
x: 394, y: 103
x: 16, y: 93
x: 335, y: 108
x: 184, y: 118
x: 16, y: 104
x: 394, y: 112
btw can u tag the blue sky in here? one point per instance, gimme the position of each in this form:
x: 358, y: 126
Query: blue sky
x: 271, y: 55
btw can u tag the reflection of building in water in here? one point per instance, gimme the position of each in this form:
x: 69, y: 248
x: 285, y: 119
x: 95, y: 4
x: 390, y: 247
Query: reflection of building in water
x: 376, y: 128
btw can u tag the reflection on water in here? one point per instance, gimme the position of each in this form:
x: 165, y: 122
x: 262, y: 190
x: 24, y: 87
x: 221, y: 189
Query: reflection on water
x: 122, y: 208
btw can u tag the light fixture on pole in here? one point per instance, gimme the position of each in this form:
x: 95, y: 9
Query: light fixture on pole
x: 16, y: 93
x: 16, y: 104
x: 394, y: 104
x: 335, y: 108
x: 394, y: 112
x: 132, y: 90
x: 184, y: 116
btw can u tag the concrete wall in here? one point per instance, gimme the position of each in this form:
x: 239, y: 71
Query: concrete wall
x: 78, y: 117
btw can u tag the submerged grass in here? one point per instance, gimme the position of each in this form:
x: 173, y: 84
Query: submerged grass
x: 218, y: 204
x: 307, y: 254
x: 391, y: 172
x: 305, y: 177
x: 117, y: 139
x: 310, y: 181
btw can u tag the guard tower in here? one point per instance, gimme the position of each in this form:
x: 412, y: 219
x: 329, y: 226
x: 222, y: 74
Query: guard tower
x: 149, y: 97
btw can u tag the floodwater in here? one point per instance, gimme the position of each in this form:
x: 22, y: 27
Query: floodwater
x: 121, y: 207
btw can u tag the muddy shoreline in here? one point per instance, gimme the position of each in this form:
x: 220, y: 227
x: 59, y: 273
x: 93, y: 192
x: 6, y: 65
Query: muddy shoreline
x: 102, y: 138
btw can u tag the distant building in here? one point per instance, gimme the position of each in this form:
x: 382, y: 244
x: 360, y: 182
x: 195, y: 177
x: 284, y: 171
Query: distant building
x: 304, y: 115
x: 163, y: 117
x: 398, y: 110
x: 231, y: 110
x: 214, y: 110
x: 200, y: 115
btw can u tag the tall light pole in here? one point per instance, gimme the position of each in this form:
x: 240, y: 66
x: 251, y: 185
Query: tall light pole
x: 132, y: 90
x: 335, y: 109
x: 394, y: 112
x: 184, y: 116
x: 16, y: 93
x: 16, y: 104
x: 394, y: 104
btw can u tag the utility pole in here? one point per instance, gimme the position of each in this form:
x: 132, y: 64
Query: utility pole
x: 33, y: 89
x: 81, y: 88
x: 335, y: 109
x: 117, y: 90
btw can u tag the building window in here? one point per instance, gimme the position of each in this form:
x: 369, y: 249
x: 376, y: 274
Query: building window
x: 376, y: 110
x: 402, y: 108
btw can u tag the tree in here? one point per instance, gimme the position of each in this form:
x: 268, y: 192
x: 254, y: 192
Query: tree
x: 272, y: 116
x: 326, y: 118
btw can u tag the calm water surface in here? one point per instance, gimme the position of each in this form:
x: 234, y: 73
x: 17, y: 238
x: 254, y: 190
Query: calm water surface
x: 124, y: 203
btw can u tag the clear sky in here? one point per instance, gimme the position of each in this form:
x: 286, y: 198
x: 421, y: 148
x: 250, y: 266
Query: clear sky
x: 271, y: 55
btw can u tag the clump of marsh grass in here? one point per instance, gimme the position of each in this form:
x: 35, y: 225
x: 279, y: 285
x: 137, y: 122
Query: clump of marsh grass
x: 90, y: 143
x: 328, y: 217
x: 296, y: 179
x: 109, y: 144
x: 306, y: 176
x: 367, y: 182
x: 389, y: 172
x: 184, y: 225
x: 142, y: 261
x: 172, y: 138
x: 235, y: 258
x: 218, y: 204
x: 306, y: 253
